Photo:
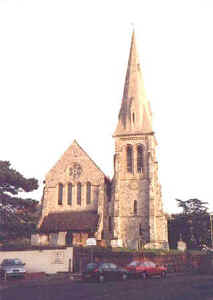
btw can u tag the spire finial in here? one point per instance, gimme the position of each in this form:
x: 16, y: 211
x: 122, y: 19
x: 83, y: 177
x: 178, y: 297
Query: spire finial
x: 133, y: 25
x: 133, y: 28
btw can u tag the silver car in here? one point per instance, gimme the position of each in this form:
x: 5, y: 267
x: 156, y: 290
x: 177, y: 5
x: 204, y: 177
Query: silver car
x: 12, y: 268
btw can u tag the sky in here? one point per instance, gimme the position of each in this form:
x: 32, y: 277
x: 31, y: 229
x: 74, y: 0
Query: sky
x: 62, y: 71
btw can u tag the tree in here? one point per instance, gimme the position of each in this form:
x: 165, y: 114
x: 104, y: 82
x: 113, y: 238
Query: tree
x: 193, y: 224
x: 193, y: 207
x: 17, y: 215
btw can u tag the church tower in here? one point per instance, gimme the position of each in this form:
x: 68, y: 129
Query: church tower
x: 136, y: 209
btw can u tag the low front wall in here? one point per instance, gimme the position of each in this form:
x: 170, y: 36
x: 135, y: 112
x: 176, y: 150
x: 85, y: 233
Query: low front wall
x: 48, y: 260
x: 175, y: 263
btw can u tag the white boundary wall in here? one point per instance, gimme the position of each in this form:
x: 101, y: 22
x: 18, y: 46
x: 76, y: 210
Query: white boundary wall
x: 48, y: 261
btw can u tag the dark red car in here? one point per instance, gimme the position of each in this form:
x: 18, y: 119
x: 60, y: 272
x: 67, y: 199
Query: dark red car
x: 146, y: 269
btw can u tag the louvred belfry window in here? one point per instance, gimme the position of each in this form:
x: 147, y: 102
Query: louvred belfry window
x: 88, y: 192
x: 129, y: 154
x: 60, y: 194
x: 79, y: 193
x: 69, y: 194
x: 140, y: 161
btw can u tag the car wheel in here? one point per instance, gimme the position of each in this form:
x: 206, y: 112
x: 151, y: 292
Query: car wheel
x: 124, y: 276
x: 144, y: 275
x: 101, y: 278
x: 163, y: 274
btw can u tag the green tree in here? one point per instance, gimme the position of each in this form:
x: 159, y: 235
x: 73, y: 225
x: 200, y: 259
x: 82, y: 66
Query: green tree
x: 193, y: 224
x: 17, y: 215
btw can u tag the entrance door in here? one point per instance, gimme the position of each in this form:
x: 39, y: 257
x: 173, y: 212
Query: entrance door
x: 69, y: 238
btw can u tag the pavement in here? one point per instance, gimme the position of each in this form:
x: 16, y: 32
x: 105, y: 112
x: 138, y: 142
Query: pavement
x: 38, y: 279
x: 34, y: 279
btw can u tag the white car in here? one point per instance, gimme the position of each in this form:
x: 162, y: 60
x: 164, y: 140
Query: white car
x: 12, y: 267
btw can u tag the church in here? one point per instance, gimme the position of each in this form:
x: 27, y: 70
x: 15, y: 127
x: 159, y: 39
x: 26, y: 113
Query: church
x: 79, y: 201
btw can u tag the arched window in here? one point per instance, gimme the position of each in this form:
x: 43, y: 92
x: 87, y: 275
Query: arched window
x: 140, y: 161
x: 79, y: 193
x: 60, y: 194
x: 88, y: 192
x: 129, y: 156
x: 96, y: 194
x: 135, y: 207
x: 69, y: 194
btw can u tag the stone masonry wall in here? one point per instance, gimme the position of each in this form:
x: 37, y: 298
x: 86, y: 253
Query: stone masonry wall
x: 142, y: 187
x: 74, y: 167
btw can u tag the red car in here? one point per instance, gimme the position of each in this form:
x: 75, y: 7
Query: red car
x: 146, y: 269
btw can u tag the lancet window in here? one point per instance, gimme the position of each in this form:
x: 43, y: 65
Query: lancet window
x: 60, y: 194
x: 88, y: 193
x: 69, y: 194
x: 79, y: 193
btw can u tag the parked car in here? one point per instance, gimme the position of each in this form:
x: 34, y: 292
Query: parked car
x: 146, y: 269
x: 104, y: 271
x: 12, y: 268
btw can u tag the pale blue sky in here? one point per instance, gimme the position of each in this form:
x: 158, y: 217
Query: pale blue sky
x: 64, y: 62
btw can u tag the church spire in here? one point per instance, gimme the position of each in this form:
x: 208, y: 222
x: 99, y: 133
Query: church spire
x: 135, y: 114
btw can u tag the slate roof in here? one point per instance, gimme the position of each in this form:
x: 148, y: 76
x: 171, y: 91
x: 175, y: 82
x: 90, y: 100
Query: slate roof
x: 71, y: 220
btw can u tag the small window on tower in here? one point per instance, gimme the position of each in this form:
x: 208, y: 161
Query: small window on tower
x: 138, y: 66
x: 135, y: 207
x: 133, y: 117
x: 110, y: 224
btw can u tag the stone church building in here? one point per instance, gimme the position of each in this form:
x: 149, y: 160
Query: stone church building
x: 80, y: 201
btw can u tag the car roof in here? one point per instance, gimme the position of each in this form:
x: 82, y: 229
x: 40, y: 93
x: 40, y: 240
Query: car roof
x: 102, y: 262
x: 11, y: 260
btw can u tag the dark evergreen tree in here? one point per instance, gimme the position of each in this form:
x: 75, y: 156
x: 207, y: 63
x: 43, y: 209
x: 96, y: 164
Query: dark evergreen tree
x: 17, y: 215
x: 193, y: 224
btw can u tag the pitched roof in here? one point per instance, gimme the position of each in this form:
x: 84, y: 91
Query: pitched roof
x: 67, y: 154
x: 70, y: 220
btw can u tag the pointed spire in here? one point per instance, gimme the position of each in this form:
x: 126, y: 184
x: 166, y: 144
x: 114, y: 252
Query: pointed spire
x: 135, y: 115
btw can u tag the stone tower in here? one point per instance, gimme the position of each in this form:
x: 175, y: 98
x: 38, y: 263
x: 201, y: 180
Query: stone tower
x: 136, y: 207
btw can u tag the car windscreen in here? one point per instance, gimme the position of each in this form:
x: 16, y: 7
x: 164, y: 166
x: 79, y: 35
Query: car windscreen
x: 133, y: 264
x: 91, y: 267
